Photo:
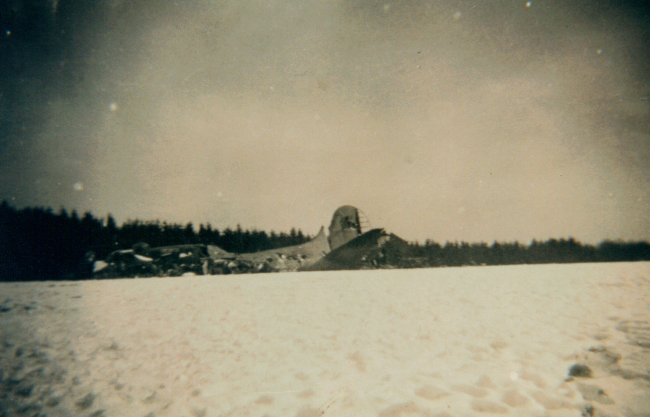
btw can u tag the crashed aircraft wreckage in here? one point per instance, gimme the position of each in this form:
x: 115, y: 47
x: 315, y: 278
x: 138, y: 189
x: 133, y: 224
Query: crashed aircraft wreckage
x: 351, y: 244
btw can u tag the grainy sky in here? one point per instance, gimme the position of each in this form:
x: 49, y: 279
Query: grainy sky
x: 448, y: 120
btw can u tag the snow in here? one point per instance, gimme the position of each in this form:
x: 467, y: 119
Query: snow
x: 424, y: 342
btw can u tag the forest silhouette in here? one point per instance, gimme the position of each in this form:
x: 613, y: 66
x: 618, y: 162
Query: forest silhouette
x: 39, y: 244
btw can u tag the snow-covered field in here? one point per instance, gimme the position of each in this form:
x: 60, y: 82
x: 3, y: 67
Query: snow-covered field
x: 389, y: 343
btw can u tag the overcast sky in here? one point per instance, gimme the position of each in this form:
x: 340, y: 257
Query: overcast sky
x: 449, y: 120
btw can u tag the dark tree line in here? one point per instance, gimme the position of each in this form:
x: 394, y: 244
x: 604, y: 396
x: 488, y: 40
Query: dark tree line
x: 551, y: 251
x: 37, y: 243
x: 237, y: 240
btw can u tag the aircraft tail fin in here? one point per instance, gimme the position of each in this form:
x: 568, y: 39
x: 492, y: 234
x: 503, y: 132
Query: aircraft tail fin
x: 347, y: 224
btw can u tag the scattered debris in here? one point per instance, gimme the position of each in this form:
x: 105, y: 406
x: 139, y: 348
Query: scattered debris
x: 346, y: 247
